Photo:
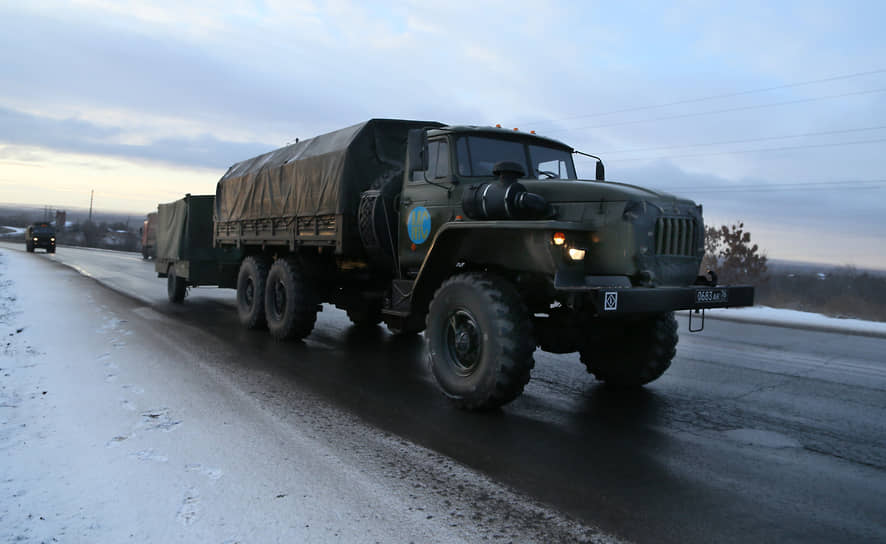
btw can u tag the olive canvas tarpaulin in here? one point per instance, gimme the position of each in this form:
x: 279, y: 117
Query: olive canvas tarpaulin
x: 170, y: 227
x: 323, y: 175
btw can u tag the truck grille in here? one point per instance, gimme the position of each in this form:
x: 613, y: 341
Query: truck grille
x: 675, y: 236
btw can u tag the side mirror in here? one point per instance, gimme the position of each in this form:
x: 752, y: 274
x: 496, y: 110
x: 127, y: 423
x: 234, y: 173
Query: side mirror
x: 601, y: 171
x: 416, y: 144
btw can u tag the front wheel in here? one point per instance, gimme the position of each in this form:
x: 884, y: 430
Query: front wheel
x: 290, y: 301
x: 632, y: 353
x: 479, y: 340
x: 176, y: 286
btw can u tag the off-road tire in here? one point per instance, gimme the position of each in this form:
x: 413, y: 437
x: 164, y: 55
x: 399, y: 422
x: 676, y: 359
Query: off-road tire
x: 631, y: 353
x: 29, y: 248
x: 251, y: 281
x: 367, y: 315
x: 479, y: 340
x: 50, y: 250
x: 176, y: 286
x: 290, y: 301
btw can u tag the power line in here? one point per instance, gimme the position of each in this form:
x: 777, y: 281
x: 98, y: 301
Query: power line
x: 726, y: 110
x: 790, y: 185
x: 745, y: 141
x: 778, y: 187
x: 776, y: 190
x: 766, y: 149
x: 712, y: 97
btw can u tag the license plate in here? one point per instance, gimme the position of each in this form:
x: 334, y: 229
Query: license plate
x: 711, y: 296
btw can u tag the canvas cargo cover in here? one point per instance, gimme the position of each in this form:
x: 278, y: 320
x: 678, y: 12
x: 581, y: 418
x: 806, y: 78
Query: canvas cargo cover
x: 170, y: 228
x: 320, y: 176
x: 184, y: 228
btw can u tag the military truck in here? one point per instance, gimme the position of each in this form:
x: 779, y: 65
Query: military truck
x: 40, y: 235
x: 149, y: 236
x: 482, y: 237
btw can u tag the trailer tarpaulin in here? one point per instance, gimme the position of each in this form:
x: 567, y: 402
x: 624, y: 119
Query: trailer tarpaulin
x: 318, y: 176
x: 170, y: 228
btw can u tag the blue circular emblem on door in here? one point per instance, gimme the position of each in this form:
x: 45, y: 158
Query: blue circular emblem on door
x: 419, y: 224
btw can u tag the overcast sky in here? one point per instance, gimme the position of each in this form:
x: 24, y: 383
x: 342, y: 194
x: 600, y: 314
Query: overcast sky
x: 772, y: 112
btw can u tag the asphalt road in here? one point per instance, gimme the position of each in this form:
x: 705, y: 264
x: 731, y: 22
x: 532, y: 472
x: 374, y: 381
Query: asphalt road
x: 756, y: 433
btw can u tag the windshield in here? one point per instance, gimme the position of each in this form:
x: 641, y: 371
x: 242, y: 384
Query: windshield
x: 43, y: 230
x: 476, y: 156
x: 550, y: 163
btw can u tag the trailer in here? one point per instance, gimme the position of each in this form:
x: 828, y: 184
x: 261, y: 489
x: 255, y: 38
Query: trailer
x: 185, y: 253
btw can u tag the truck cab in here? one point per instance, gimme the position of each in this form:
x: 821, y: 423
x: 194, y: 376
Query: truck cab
x: 505, y: 250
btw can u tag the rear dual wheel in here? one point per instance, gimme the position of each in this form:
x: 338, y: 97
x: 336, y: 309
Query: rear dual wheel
x: 251, y: 281
x: 290, y: 300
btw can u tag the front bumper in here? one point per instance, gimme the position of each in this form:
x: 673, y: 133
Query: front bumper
x: 668, y: 299
x: 618, y: 300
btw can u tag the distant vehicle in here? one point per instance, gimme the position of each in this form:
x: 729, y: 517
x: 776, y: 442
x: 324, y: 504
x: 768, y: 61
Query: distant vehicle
x: 483, y: 237
x: 149, y: 236
x: 40, y: 235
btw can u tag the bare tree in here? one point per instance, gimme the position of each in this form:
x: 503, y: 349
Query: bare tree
x: 730, y: 255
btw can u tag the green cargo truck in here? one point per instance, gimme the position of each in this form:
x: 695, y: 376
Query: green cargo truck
x: 482, y: 237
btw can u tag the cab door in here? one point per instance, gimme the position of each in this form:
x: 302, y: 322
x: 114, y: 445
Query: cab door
x: 425, y: 206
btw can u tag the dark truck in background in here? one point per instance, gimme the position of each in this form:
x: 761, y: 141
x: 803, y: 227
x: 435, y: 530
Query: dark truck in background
x: 40, y: 235
x: 482, y: 237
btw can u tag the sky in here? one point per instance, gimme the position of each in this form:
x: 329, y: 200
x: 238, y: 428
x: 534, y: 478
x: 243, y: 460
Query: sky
x: 771, y: 113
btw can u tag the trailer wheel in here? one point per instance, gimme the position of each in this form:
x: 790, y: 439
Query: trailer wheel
x: 251, y: 292
x: 480, y: 342
x: 175, y: 286
x: 290, y: 301
x: 632, y: 353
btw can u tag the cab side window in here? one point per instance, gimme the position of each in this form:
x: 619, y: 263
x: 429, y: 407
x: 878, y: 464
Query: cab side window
x: 438, y: 162
x: 438, y: 159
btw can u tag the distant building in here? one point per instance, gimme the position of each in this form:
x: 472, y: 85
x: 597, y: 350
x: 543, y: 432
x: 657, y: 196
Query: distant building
x: 61, y: 220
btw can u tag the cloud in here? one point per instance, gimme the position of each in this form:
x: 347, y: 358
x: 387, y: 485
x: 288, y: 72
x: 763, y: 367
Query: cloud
x: 78, y: 136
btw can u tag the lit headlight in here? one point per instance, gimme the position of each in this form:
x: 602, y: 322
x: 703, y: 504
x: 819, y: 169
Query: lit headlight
x: 52, y: 239
x: 576, y: 254
x: 35, y: 238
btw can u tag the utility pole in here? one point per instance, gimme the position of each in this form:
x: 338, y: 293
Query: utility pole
x: 91, y: 194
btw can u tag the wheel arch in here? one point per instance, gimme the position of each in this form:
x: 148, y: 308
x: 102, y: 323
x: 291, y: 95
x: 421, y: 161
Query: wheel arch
x: 501, y: 246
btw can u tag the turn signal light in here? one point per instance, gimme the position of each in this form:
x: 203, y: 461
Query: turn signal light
x: 559, y: 238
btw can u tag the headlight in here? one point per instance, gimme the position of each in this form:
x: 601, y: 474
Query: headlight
x: 52, y: 239
x: 35, y: 238
x: 576, y: 254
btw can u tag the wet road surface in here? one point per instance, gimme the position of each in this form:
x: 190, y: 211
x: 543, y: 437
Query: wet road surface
x: 756, y: 433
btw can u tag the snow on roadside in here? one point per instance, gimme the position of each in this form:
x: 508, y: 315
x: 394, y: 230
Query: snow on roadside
x: 11, y: 231
x: 765, y: 315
